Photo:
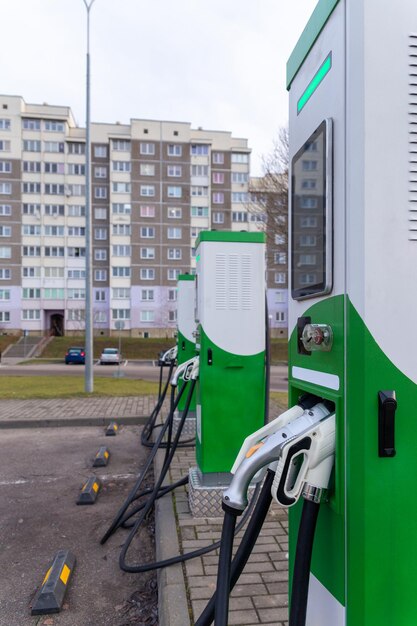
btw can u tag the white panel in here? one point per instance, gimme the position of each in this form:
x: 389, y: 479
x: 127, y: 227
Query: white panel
x: 185, y: 309
x: 231, y: 295
x: 322, y: 608
x: 331, y: 381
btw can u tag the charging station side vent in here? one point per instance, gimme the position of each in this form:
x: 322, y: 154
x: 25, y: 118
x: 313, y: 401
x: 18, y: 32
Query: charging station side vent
x: 412, y: 100
x: 234, y: 278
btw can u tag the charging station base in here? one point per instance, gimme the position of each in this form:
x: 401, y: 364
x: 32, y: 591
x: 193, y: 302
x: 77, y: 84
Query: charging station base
x: 189, y: 428
x: 205, y: 492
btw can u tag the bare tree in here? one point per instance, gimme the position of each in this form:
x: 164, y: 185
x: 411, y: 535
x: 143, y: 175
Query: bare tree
x: 269, y: 193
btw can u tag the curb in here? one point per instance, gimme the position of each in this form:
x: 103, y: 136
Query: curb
x: 53, y: 422
x: 172, y: 596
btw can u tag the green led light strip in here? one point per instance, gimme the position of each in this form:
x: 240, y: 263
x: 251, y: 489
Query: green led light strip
x: 315, y: 82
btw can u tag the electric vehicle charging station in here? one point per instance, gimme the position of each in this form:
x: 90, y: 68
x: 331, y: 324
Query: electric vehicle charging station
x: 186, y: 330
x: 230, y: 316
x: 352, y: 81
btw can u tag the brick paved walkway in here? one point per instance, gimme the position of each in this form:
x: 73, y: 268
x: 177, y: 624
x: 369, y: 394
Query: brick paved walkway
x: 260, y: 597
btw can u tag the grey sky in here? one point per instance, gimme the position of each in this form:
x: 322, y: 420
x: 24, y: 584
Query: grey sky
x: 219, y: 64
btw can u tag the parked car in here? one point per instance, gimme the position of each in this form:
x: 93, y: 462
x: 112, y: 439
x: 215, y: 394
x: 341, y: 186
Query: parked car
x: 110, y: 356
x: 75, y: 355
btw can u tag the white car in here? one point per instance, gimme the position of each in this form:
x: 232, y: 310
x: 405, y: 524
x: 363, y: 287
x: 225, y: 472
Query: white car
x: 110, y: 356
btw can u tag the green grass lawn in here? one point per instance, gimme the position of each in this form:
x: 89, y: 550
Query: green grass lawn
x: 26, y: 387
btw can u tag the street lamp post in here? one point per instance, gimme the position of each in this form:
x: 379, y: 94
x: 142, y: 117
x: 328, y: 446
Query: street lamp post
x: 89, y: 380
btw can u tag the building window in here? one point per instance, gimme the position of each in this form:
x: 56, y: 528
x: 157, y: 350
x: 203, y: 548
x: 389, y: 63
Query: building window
x: 199, y: 149
x: 5, y: 231
x: 4, y: 316
x: 100, y: 275
x: 121, y: 293
x: 55, y: 294
x: 121, y: 166
x: 199, y: 211
x: 308, y: 183
x: 175, y: 213
x: 100, y: 317
x: 100, y: 213
x: 54, y: 126
x: 172, y: 274
x: 174, y: 149
x: 121, y: 187
x: 120, y: 314
x: 280, y: 316
x: 147, y: 316
x: 26, y: 188
x: 29, y: 293
x: 308, y: 259
x: 218, y: 217
x: 195, y: 231
x: 121, y: 229
x: 5, y: 209
x: 55, y: 190
x: 239, y: 216
x: 240, y: 196
x: 199, y: 191
x: 100, y: 152
x: 57, y: 168
x: 122, y: 250
x: 147, y: 148
x: 76, y: 147
x: 147, y: 169
x: 100, y: 254
x: 75, y: 274
x: 100, y: 234
x: 76, y: 315
x: 147, y: 273
x: 147, y: 295
x: 5, y: 123
x: 174, y: 254
x: 308, y: 240
x: 100, y: 172
x: 29, y: 145
x: 279, y: 240
x: 279, y: 297
x: 308, y: 279
x: 76, y: 294
x: 120, y: 145
x: 199, y: 170
x: 280, y: 258
x: 174, y: 233
x: 147, y: 232
x: 218, y: 178
x: 218, y: 158
x: 308, y: 202
x: 174, y: 191
x: 147, y: 190
x: 308, y: 222
x: 5, y: 273
x: 33, y: 272
x: 26, y: 251
x: 55, y: 251
x: 172, y: 295
x: 31, y: 314
x: 174, y: 170
x: 53, y: 146
x: 31, y: 230
x: 147, y: 210
x: 76, y: 252
x: 33, y: 167
x: 31, y: 124
x: 6, y: 166
x: 309, y: 165
x: 240, y: 157
x: 121, y: 272
x: 121, y: 208
x: 218, y: 197
x: 58, y: 231
x: 31, y: 209
x: 4, y: 294
x: 101, y: 192
x: 280, y: 278
x: 76, y: 210
x: 240, y: 177
x: 172, y: 316
x: 147, y: 253
x: 100, y: 295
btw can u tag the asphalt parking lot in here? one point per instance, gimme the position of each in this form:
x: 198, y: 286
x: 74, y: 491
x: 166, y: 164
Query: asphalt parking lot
x: 42, y: 471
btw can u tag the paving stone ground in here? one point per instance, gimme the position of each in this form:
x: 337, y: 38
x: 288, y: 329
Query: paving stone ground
x: 260, y: 597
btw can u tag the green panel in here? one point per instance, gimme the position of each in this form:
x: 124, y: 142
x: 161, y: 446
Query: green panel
x: 315, y: 25
x: 367, y: 534
x: 186, y: 277
x: 329, y: 538
x: 381, y: 503
x: 231, y: 393
x: 186, y: 350
x: 230, y: 236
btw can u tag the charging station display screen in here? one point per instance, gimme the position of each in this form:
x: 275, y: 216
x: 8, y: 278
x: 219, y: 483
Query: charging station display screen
x: 311, y: 240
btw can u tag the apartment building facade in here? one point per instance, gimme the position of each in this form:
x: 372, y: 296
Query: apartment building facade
x: 155, y: 186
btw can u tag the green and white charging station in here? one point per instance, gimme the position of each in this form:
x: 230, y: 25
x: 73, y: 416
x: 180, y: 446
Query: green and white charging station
x: 230, y: 316
x: 186, y: 331
x: 352, y: 81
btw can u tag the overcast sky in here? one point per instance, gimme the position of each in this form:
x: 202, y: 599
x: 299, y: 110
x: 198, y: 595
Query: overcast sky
x: 219, y: 64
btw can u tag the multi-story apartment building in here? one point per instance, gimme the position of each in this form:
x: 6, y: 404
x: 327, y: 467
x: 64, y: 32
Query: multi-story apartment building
x: 155, y: 186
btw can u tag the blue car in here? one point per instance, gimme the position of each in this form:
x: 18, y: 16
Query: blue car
x: 75, y: 355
